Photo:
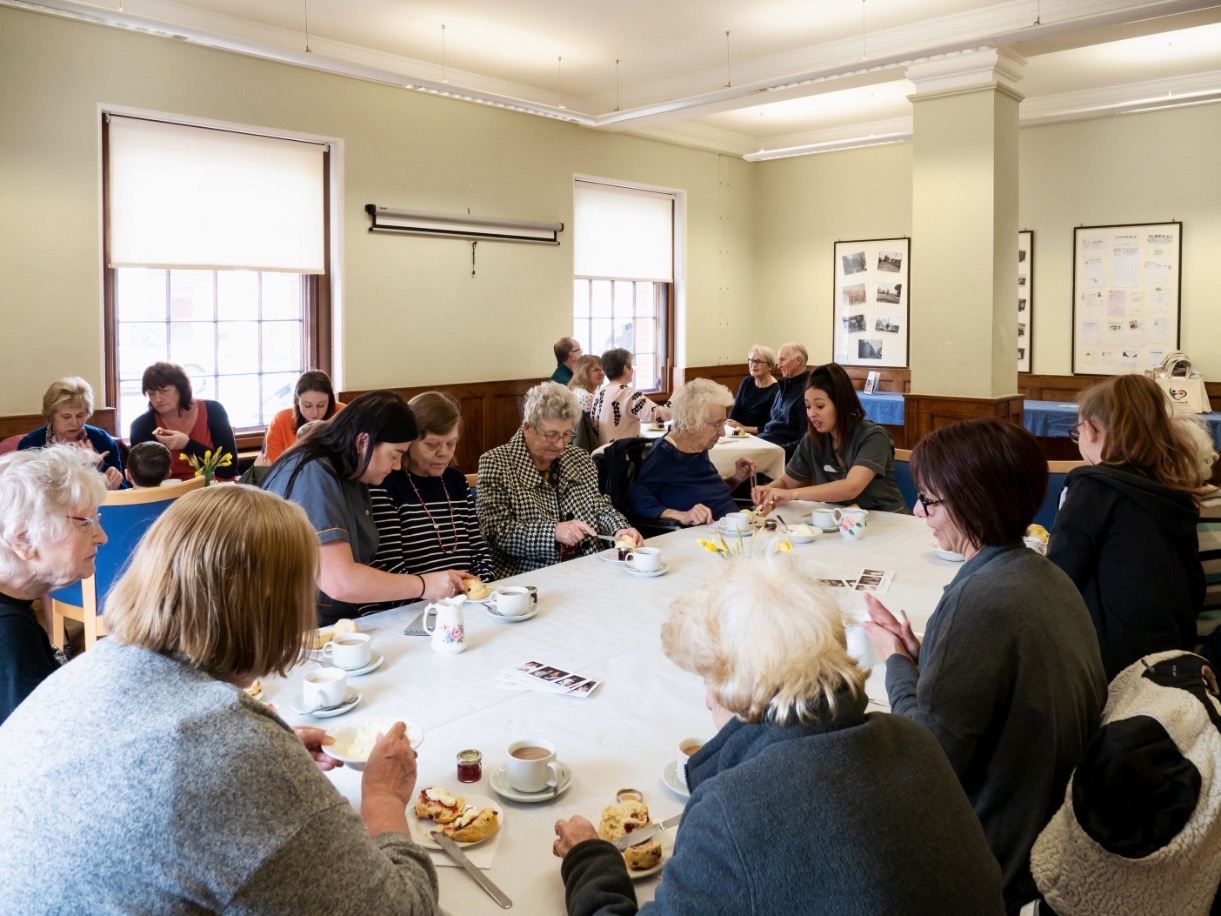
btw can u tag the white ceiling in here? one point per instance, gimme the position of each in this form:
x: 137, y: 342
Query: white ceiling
x: 678, y: 77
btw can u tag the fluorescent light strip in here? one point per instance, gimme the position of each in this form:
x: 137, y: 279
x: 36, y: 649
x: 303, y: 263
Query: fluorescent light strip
x: 812, y: 149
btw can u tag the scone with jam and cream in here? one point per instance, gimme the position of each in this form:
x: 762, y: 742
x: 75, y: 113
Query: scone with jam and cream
x: 623, y: 818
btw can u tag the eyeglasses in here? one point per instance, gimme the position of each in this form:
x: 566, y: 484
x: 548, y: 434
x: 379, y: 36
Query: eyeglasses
x: 86, y: 522
x: 558, y: 438
x: 927, y: 503
x: 756, y: 362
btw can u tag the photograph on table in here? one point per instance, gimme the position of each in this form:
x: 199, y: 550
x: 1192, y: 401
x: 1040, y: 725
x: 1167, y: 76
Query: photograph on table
x: 1025, y: 298
x: 872, y: 302
x: 1127, y: 285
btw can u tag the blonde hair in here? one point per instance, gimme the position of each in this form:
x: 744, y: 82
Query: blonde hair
x: 691, y: 403
x: 1135, y: 417
x: 580, y: 375
x: 73, y: 391
x: 768, y: 641
x: 764, y: 352
x: 224, y: 580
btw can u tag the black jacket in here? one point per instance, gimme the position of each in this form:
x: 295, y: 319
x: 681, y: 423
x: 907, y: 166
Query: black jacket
x: 1130, y: 545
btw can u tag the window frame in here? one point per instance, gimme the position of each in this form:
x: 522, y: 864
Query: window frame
x: 663, y: 306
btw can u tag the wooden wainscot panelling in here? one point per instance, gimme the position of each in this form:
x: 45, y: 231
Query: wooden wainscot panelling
x: 1067, y: 387
x: 888, y: 379
x: 925, y: 412
x: 729, y: 375
x: 103, y: 418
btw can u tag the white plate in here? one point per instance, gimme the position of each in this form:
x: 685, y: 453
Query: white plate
x: 344, y: 735
x: 501, y: 618
x: 375, y: 662
x: 797, y: 538
x: 297, y: 703
x: 669, y: 776
x: 501, y: 785
x: 611, y: 556
x: 641, y: 574
x: 667, y: 850
x: 949, y: 555
x: 421, y: 828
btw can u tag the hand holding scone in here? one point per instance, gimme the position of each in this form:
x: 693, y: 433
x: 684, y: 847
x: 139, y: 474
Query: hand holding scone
x: 171, y: 439
x: 572, y: 831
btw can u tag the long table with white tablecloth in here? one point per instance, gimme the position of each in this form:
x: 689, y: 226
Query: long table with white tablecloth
x: 594, y: 619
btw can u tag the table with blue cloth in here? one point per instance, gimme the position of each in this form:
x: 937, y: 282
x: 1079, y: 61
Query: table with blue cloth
x: 1056, y: 419
x: 883, y: 407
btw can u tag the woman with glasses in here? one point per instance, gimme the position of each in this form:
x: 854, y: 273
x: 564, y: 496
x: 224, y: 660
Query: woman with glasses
x: 677, y: 480
x: 752, y: 406
x: 844, y: 458
x: 1126, y: 529
x: 329, y: 475
x: 618, y: 407
x: 539, y: 502
x: 49, y: 536
x: 1008, y: 677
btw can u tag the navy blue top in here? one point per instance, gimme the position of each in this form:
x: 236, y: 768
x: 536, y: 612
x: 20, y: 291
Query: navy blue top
x: 752, y: 406
x: 26, y: 656
x: 670, y: 479
x: 101, y: 441
x: 787, y: 421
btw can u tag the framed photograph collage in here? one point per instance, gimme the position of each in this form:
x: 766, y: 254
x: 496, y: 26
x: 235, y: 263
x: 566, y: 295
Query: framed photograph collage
x: 871, y: 302
x: 1025, y: 298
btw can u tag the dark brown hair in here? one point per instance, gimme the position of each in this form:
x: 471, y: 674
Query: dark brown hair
x: 832, y: 379
x: 159, y: 375
x: 990, y: 474
x: 314, y: 380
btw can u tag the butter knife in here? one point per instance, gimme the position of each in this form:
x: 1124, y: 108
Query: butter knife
x: 452, y: 850
x: 646, y: 832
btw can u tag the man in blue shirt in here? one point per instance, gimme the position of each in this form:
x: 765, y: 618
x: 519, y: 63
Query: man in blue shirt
x: 787, y: 422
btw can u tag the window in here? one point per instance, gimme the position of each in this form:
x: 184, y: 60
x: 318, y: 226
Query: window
x: 215, y: 260
x: 623, y: 257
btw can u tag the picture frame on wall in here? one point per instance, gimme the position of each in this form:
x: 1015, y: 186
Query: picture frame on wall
x: 1127, y: 291
x: 871, y: 297
x: 1025, y: 299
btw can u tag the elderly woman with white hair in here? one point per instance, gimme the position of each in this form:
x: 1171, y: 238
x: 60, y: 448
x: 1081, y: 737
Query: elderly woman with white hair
x: 49, y: 536
x: 67, y: 406
x: 539, y: 501
x: 802, y: 802
x: 752, y: 405
x: 677, y: 479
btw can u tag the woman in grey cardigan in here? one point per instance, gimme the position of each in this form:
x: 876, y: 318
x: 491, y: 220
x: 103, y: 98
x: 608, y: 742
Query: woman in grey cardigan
x: 801, y: 803
x: 150, y: 782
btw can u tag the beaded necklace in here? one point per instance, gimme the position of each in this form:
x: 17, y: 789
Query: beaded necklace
x: 435, y: 527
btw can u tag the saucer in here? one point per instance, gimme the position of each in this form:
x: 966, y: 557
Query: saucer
x: 502, y: 787
x: 669, y: 776
x: 641, y: 574
x: 375, y: 662
x: 949, y: 555
x: 501, y: 618
x: 731, y: 534
x: 611, y: 556
x: 297, y: 703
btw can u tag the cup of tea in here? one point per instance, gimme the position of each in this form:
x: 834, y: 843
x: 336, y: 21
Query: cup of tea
x: 737, y: 521
x: 512, y: 600
x: 349, y: 652
x: 823, y: 517
x: 532, y: 766
x: 324, y: 688
x: 644, y: 559
x: 686, y: 750
x: 851, y: 523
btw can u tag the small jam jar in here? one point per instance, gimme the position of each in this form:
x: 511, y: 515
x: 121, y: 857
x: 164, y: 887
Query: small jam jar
x: 470, y: 765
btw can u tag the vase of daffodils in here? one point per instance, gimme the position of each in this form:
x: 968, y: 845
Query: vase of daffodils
x: 206, y: 467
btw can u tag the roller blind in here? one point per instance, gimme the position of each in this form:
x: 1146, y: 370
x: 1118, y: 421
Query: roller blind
x: 200, y: 198
x: 622, y: 233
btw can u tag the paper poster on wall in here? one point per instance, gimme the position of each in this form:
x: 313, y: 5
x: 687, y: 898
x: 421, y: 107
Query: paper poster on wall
x: 1127, y: 282
x: 1025, y: 298
x: 871, y: 302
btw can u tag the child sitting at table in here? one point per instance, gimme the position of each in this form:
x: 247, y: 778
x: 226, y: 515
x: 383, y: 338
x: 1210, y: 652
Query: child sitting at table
x: 148, y: 465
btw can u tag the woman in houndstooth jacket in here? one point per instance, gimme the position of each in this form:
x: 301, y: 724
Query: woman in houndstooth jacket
x: 538, y: 500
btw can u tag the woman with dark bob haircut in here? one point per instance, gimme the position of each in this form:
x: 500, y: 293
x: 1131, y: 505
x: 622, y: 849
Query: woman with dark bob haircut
x: 844, y: 458
x: 1008, y: 677
x: 182, y: 422
x: 313, y: 399
x: 329, y: 475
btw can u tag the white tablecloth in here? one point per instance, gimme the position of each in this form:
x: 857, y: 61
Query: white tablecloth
x: 767, y: 456
x: 598, y: 621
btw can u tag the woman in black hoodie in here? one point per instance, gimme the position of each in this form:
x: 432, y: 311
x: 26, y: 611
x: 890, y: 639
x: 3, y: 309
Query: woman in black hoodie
x: 1126, y: 530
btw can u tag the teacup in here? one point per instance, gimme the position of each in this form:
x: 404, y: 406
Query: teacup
x: 687, y: 748
x: 851, y: 523
x: 532, y: 766
x: 737, y: 521
x: 859, y: 646
x: 349, y: 652
x: 823, y: 517
x: 644, y: 559
x: 512, y: 600
x: 324, y: 688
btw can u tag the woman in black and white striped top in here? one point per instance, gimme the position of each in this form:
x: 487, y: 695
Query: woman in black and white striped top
x: 424, y: 512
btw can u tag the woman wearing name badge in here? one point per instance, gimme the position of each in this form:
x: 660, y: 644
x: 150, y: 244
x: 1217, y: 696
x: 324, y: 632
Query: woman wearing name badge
x: 1126, y: 529
x: 425, y: 516
x: 313, y: 399
x: 802, y: 802
x: 752, y: 406
x: 1008, y: 677
x: 67, y: 407
x: 150, y: 782
x: 329, y: 475
x: 844, y: 458
x: 182, y: 422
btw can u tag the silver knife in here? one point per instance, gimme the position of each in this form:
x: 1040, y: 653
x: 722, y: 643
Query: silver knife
x: 643, y: 833
x: 451, y: 849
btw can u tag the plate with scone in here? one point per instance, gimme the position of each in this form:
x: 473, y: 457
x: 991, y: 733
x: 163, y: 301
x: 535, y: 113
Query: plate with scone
x: 643, y: 859
x: 467, y: 820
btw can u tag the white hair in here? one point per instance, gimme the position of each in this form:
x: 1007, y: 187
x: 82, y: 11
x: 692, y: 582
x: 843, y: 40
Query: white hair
x: 1201, y: 441
x: 764, y: 352
x: 550, y: 401
x: 690, y: 403
x: 39, y: 490
x: 799, y: 349
x: 767, y: 639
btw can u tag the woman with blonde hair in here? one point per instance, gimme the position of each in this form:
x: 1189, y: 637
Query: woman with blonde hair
x: 587, y: 378
x: 67, y: 406
x: 1126, y: 529
x: 801, y: 802
x: 211, y: 803
x: 752, y: 406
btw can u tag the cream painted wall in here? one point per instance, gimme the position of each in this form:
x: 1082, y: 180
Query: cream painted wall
x: 412, y: 312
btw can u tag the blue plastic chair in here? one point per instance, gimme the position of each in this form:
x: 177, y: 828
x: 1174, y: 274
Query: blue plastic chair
x: 126, y: 515
x: 903, y: 477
